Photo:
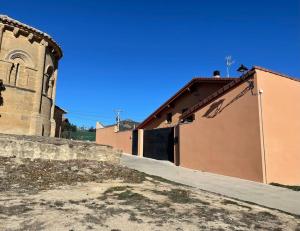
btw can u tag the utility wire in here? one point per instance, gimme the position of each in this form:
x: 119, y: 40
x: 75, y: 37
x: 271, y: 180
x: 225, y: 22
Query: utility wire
x: 86, y: 113
x: 89, y: 116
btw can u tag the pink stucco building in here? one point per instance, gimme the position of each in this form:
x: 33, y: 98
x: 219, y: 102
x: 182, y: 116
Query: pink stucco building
x: 245, y: 127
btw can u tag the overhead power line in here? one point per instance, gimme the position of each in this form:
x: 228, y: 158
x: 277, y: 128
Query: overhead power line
x: 89, y: 115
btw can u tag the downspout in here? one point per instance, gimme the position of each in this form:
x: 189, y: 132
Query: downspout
x: 263, y: 146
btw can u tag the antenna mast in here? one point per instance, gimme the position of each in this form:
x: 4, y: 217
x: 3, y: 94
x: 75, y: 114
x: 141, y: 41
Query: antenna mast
x: 229, y: 63
x: 118, y: 118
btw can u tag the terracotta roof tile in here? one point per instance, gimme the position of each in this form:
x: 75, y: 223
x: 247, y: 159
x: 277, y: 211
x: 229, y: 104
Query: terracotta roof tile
x: 15, y: 23
x: 180, y: 92
x: 228, y: 87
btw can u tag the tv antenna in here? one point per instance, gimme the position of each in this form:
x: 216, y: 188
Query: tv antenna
x: 229, y: 63
x: 118, y: 117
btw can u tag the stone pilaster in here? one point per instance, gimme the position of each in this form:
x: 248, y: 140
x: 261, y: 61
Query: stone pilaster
x: 53, y: 96
x: 141, y: 142
x: 1, y: 34
x: 36, y: 124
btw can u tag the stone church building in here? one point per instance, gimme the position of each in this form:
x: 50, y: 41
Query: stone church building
x: 28, y: 67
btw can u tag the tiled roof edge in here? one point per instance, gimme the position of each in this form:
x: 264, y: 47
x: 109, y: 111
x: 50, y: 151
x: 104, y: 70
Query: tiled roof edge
x: 178, y: 93
x: 6, y: 20
x: 217, y: 94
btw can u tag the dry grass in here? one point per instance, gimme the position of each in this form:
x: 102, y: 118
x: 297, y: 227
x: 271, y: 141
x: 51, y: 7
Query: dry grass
x: 91, y: 195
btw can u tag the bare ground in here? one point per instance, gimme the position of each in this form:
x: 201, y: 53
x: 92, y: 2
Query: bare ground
x: 90, y: 195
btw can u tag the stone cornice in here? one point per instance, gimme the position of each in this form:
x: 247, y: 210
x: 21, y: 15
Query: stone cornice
x: 10, y: 62
x: 19, y: 88
x: 32, y: 33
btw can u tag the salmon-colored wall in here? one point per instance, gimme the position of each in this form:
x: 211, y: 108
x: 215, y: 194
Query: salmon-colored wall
x: 280, y: 104
x: 225, y: 140
x: 185, y: 101
x: 118, y: 140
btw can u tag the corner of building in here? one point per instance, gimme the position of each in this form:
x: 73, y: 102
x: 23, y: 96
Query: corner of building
x: 279, y: 109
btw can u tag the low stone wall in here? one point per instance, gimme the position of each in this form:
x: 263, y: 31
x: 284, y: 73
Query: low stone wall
x: 57, y: 149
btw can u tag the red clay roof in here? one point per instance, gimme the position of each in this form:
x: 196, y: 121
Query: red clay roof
x: 59, y: 108
x: 229, y: 87
x: 180, y: 92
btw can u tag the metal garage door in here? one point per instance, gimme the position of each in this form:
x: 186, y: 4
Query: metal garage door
x: 159, y: 144
x: 135, y: 140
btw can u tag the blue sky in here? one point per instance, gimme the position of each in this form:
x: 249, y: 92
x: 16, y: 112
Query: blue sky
x: 135, y: 54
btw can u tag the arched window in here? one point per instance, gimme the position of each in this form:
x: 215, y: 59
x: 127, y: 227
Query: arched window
x: 18, y: 59
x: 19, y: 56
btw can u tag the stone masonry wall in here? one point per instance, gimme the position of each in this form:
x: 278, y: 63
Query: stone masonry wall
x: 57, y: 149
x: 28, y: 67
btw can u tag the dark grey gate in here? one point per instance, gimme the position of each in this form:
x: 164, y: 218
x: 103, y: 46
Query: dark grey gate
x: 159, y: 144
x: 135, y: 142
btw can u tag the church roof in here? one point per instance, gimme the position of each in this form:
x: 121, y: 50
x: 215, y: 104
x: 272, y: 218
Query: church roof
x: 15, y: 23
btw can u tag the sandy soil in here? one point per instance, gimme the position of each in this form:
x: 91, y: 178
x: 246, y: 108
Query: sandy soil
x: 91, y: 195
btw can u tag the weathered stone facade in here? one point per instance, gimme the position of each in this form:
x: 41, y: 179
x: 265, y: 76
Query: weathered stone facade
x: 28, y: 67
x: 59, y: 118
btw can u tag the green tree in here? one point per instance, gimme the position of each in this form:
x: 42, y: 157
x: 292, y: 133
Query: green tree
x: 92, y: 129
x: 69, y: 127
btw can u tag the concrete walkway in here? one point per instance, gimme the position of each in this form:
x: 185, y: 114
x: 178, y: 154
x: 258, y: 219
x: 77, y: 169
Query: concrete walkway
x: 262, y: 194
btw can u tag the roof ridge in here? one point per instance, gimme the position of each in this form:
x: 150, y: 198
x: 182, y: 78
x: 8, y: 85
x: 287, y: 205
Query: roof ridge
x: 216, y: 94
x: 214, y: 78
x: 228, y: 87
x: 177, y: 94
x: 7, y: 18
x: 276, y: 73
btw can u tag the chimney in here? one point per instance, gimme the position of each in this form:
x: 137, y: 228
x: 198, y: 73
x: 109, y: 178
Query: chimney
x: 216, y: 74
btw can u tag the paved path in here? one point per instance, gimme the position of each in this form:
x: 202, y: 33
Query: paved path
x: 262, y: 194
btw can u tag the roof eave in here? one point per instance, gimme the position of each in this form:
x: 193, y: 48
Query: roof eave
x: 178, y: 93
x: 10, y: 22
x: 217, y: 94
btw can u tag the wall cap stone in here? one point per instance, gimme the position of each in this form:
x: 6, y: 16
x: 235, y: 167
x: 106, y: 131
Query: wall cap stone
x: 35, y: 147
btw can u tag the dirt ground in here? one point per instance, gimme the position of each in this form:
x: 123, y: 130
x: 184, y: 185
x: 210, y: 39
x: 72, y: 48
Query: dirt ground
x: 90, y: 195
